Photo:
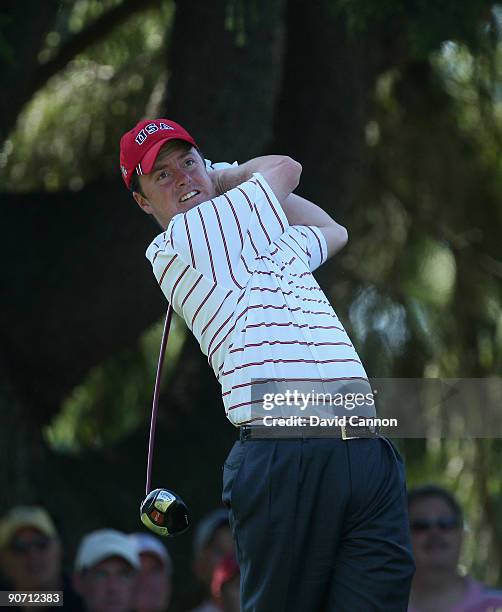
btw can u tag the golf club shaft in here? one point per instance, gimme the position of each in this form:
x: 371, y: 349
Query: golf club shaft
x: 156, y: 392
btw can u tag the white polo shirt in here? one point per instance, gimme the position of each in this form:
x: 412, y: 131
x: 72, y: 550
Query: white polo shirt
x: 240, y: 276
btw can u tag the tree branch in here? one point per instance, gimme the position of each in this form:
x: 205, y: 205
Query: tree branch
x: 92, y: 34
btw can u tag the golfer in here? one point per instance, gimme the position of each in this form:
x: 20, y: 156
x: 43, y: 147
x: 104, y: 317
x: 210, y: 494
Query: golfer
x: 318, y: 513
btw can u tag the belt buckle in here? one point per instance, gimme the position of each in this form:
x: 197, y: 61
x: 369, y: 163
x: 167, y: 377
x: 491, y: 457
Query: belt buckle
x: 244, y: 432
x: 343, y: 429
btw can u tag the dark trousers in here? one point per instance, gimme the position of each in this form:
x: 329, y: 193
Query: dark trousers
x: 319, y: 525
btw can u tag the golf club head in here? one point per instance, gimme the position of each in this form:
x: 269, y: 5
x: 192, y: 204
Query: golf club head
x: 164, y: 513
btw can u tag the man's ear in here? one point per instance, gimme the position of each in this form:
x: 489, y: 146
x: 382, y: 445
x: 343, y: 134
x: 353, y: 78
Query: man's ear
x: 142, y: 202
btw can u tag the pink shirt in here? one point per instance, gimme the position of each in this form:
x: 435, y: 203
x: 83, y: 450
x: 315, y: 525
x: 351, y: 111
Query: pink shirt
x: 478, y: 598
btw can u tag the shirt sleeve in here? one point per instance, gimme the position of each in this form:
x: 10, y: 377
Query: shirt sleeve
x: 222, y: 237
x: 311, y: 242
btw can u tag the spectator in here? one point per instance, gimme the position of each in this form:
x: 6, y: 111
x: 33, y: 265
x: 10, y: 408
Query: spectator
x: 31, y: 555
x: 154, y: 586
x: 225, y: 585
x: 212, y: 542
x: 436, y: 522
x: 106, y: 569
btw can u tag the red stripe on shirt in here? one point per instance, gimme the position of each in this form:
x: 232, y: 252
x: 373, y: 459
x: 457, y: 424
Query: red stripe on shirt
x: 274, y: 324
x: 248, y: 233
x: 273, y: 306
x: 271, y: 253
x: 190, y: 291
x: 318, y: 241
x: 260, y: 363
x: 245, y: 265
x: 288, y: 342
x: 231, y: 329
x: 298, y: 297
x: 202, y: 304
x: 236, y: 218
x: 318, y: 312
x: 305, y: 248
x: 291, y: 248
x: 306, y: 239
x: 207, y: 244
x: 215, y: 335
x: 313, y: 288
x: 177, y: 281
x: 189, y: 241
x: 268, y: 380
x: 210, y: 358
x: 270, y: 273
x: 229, y: 264
x: 275, y: 290
x: 281, y: 276
x: 215, y: 314
x: 271, y: 205
x: 286, y: 293
x: 288, y: 263
x: 262, y: 226
x: 167, y: 268
x: 247, y: 197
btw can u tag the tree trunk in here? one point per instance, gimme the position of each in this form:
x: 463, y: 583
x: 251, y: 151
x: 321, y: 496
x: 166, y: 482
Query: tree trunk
x: 325, y: 101
x: 224, y: 78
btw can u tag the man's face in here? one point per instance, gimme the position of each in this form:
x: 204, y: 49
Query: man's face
x: 435, y: 534
x: 153, y: 590
x: 32, y: 560
x: 220, y: 545
x: 108, y: 586
x: 178, y: 182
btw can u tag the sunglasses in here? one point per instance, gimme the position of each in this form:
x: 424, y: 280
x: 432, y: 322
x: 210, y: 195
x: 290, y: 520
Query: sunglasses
x: 21, y: 547
x: 444, y: 523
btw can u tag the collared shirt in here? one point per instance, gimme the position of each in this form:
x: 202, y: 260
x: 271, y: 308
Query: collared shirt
x: 241, y: 278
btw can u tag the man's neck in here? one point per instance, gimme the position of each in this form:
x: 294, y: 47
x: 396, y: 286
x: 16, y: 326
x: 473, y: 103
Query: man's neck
x: 437, y: 590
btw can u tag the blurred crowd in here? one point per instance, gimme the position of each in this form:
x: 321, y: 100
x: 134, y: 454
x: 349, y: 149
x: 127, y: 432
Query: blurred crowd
x: 117, y: 572
x: 113, y: 571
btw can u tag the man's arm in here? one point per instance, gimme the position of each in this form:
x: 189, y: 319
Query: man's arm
x: 281, y: 172
x: 301, y: 211
x: 283, y: 175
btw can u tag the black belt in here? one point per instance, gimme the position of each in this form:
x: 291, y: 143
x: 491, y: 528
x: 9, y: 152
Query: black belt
x: 343, y: 432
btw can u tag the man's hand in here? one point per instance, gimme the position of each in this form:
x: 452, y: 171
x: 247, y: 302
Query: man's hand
x: 281, y: 172
x: 301, y: 211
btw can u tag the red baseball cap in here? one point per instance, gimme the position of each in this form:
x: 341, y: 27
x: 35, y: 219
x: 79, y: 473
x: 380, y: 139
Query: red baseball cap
x: 140, y: 146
